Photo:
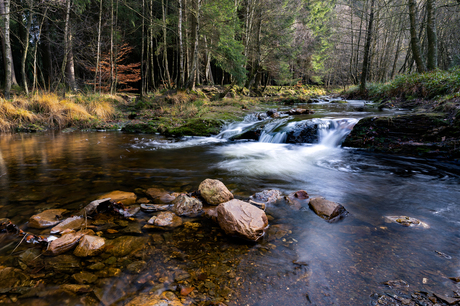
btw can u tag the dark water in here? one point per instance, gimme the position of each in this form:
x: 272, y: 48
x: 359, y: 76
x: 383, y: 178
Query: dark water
x: 303, y: 260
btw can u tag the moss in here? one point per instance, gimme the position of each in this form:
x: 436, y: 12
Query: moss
x: 197, y: 127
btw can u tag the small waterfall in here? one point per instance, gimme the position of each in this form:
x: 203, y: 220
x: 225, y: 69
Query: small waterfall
x: 273, y: 138
x: 334, y: 134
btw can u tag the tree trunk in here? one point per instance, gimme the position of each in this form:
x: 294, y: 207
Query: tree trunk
x: 26, y: 48
x: 165, y: 45
x: 7, y: 47
x: 98, y: 55
x: 181, y: 49
x: 415, y: 45
x: 34, y: 84
x: 192, y: 77
x: 367, y: 49
x: 70, y: 63
x: 432, y: 54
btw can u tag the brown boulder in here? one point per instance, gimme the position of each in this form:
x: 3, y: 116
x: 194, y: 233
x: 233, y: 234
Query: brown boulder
x: 236, y: 217
x: 267, y: 196
x: 159, y: 196
x: 127, y: 198
x: 72, y: 223
x: 214, y: 192
x: 46, y: 218
x: 297, y: 199
x: 164, y: 220
x: 187, y: 206
x: 326, y: 209
x: 89, y: 246
x: 63, y: 244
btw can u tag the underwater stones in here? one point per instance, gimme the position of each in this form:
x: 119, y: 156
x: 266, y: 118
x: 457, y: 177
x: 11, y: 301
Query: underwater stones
x: 63, y: 263
x: 74, y: 288
x: 89, y: 245
x: 187, y: 206
x: 11, y: 278
x: 63, y: 243
x: 326, y: 209
x: 92, y: 207
x: 136, y: 267
x: 299, y: 111
x: 297, y: 199
x: 72, y: 223
x: 46, y: 218
x: 167, y: 298
x: 164, y: 220
x: 127, y: 198
x: 214, y: 192
x: 240, y: 218
x: 406, y: 221
x: 124, y: 245
x: 84, y: 277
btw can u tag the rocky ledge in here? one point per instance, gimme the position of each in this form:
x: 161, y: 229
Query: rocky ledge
x: 423, y: 134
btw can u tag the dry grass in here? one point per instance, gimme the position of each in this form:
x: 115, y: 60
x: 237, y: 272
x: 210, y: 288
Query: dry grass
x: 102, y: 109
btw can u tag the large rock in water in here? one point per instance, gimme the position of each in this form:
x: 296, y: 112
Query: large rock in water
x: 298, y: 199
x: 127, y: 198
x: 236, y: 217
x: 214, y: 192
x: 165, y: 220
x: 326, y: 209
x: 267, y: 196
x: 47, y: 218
x: 304, y: 132
x: 63, y: 244
x: 89, y: 245
x: 187, y: 206
x: 72, y: 223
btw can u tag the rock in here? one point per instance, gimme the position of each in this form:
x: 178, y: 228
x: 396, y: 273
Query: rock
x: 406, y: 221
x: 326, y: 209
x: 11, y: 278
x: 159, y: 196
x: 89, y: 246
x: 214, y: 192
x: 133, y: 228
x: 136, y: 267
x: 31, y: 258
x: 155, y: 207
x: 236, y: 217
x: 124, y: 245
x: 74, y: 288
x: 127, y: 198
x: 210, y: 213
x: 143, y: 201
x: 155, y: 300
x: 72, y: 223
x: 63, y: 244
x: 187, y: 206
x: 267, y: 196
x: 63, y: 263
x: 92, y: 207
x: 84, y: 277
x: 96, y: 266
x: 299, y: 111
x: 249, y: 135
x: 447, y: 299
x: 164, y: 220
x: 47, y: 218
x: 298, y: 199
x: 303, y: 132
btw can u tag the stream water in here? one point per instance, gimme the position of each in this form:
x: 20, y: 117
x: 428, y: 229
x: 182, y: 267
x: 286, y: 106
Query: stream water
x: 303, y: 260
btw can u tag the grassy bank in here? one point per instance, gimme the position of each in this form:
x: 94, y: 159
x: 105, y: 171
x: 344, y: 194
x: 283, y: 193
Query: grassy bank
x: 169, y: 112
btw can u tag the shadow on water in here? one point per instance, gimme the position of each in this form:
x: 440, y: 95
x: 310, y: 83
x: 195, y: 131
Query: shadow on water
x: 302, y: 260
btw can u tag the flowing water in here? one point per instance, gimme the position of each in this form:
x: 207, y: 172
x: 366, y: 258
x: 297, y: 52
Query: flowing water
x: 303, y: 260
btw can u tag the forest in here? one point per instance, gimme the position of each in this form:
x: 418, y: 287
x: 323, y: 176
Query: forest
x: 142, y: 46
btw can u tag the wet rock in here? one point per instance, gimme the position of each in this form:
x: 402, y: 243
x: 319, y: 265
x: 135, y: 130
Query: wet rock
x: 155, y: 207
x: 63, y: 244
x: 11, y: 278
x: 159, y: 196
x: 92, y: 207
x: 249, y: 135
x: 127, y: 198
x: 273, y: 113
x: 136, y: 267
x: 326, y: 209
x: 298, y: 199
x: 89, y: 246
x: 72, y: 223
x: 143, y: 201
x: 266, y: 197
x: 30, y: 258
x: 164, y: 220
x: 78, y: 289
x: 47, y: 218
x: 406, y: 221
x: 165, y: 299
x: 236, y: 217
x: 447, y: 299
x: 455, y: 279
x: 63, y: 263
x: 96, y: 266
x: 214, y: 192
x: 84, y: 277
x: 278, y: 231
x: 210, y: 213
x: 187, y: 206
x: 124, y: 245
x: 299, y: 111
x: 133, y: 228
x: 305, y: 132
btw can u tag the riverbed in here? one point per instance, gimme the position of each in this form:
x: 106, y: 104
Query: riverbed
x: 302, y: 260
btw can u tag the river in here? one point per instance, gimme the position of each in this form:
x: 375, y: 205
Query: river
x: 303, y: 260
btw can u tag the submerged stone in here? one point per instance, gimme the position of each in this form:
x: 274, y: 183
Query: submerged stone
x: 72, y: 223
x: 214, y: 192
x: 46, y: 218
x: 240, y: 218
x: 406, y: 221
x: 136, y: 267
x: 164, y: 220
x: 11, y: 278
x: 89, y: 245
x: 326, y: 209
x: 63, y: 263
x: 298, y: 199
x: 155, y: 207
x: 159, y: 196
x: 127, y: 198
x: 63, y: 244
x: 267, y: 196
x: 124, y: 245
x: 84, y: 277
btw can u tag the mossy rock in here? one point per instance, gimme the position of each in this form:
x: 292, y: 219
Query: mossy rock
x: 148, y: 128
x: 197, y: 127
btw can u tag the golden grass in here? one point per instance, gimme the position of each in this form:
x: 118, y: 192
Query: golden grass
x: 102, y: 109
